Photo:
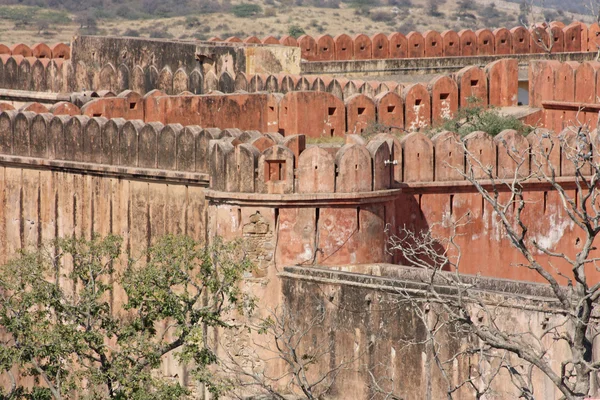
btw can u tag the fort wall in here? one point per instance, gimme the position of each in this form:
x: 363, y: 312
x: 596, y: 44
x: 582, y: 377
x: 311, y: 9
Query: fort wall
x: 574, y: 37
x: 568, y: 93
x: 311, y: 105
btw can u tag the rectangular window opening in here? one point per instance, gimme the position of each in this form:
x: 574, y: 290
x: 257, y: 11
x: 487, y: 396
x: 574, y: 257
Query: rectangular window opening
x: 275, y: 170
x: 451, y: 44
x: 417, y: 102
x: 444, y: 96
x: 132, y: 105
x: 474, y: 82
x: 332, y: 132
x: 485, y: 42
x: 96, y: 115
x: 361, y: 110
x: 503, y: 41
x: 433, y: 44
x: 271, y: 108
x: 331, y: 110
x: 391, y: 109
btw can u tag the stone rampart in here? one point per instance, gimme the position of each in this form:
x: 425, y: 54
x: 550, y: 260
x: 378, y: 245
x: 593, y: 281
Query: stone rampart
x: 574, y: 37
x: 568, y: 92
x: 311, y: 106
x: 38, y: 50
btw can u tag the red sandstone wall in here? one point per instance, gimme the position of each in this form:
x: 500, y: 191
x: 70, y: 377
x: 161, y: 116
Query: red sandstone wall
x: 254, y: 163
x: 567, y: 92
x: 313, y: 105
x: 575, y: 37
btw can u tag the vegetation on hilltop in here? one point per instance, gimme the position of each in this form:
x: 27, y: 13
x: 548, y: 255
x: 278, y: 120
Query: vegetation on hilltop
x: 59, y: 20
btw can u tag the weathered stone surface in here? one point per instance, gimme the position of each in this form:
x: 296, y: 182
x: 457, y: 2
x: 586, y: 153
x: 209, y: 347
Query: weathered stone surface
x: 503, y: 81
x: 382, y: 170
x: 74, y: 137
x: 363, y: 47
x: 276, y: 170
x: 418, y: 158
x: 360, y: 113
x: 92, y: 140
x: 513, y: 154
x: 354, y: 165
x: 449, y: 157
x: 325, y: 48
x: 434, y: 44
x: 416, y: 45
x: 520, y: 40
x: 451, y: 42
x: 315, y: 114
x: 398, y: 45
x: 473, y: 85
x: 468, y: 43
x: 503, y: 40
x: 110, y: 140
x: 390, y: 111
x: 444, y: 98
x: 485, y: 42
x: 381, y: 46
x: 480, y: 155
x: 308, y: 47
x: 316, y: 171
x: 417, y: 106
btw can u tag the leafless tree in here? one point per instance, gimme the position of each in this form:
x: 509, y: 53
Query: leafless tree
x: 541, y: 29
x: 561, y: 346
x: 284, y: 361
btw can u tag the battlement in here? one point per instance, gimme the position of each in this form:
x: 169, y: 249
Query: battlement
x: 574, y: 37
x: 568, y: 92
x: 319, y: 112
x: 254, y: 162
x: 38, y: 50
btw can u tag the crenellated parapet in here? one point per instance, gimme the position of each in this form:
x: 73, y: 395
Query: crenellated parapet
x: 574, y: 37
x: 568, y: 92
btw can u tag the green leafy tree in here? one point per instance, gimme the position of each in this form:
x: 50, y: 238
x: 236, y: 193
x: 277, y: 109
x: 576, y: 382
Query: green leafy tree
x: 61, y: 329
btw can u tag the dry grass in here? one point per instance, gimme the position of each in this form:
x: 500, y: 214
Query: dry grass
x: 314, y: 21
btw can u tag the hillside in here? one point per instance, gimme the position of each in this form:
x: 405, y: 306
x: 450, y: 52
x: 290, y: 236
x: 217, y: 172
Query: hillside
x: 59, y: 20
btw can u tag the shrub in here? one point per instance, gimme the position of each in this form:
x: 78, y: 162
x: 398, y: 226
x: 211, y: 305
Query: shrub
x: 476, y: 117
x: 131, y: 33
x: 246, y: 10
x: 381, y: 16
x: 160, y: 34
x: 270, y: 12
x: 295, y: 31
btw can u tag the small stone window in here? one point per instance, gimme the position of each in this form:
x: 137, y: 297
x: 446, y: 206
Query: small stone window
x: 274, y: 170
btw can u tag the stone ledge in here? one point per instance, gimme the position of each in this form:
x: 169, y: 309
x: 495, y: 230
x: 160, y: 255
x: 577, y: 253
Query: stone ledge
x: 302, y: 199
x: 396, y: 278
x: 190, y: 178
x: 427, y: 65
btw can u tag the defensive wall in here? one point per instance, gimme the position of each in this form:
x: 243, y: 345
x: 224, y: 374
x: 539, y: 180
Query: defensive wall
x: 369, y: 319
x: 142, y: 164
x: 333, y: 107
x: 310, y: 206
x: 575, y: 37
x: 343, y: 195
x: 142, y: 65
x: 568, y: 92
